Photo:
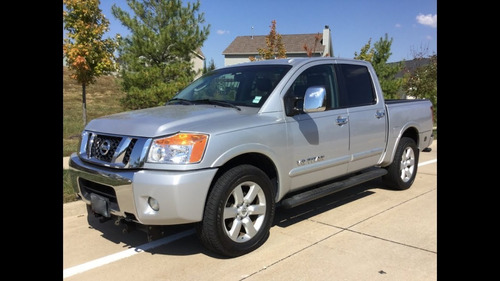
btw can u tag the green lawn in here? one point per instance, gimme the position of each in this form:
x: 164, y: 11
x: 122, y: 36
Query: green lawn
x: 102, y: 98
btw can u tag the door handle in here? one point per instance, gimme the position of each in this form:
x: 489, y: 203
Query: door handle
x: 380, y: 113
x: 342, y: 120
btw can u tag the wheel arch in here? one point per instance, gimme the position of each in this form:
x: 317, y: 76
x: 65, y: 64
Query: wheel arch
x: 258, y: 160
x: 410, y: 132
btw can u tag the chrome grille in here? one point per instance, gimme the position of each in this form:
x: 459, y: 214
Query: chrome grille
x: 113, y: 150
x: 126, y: 158
x: 104, y: 147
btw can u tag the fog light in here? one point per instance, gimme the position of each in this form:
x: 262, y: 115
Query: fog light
x: 153, y: 203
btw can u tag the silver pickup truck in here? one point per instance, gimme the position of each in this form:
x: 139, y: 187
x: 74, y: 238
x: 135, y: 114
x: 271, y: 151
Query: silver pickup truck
x: 243, y: 140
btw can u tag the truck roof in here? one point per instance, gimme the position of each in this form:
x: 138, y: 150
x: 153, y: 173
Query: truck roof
x: 295, y: 61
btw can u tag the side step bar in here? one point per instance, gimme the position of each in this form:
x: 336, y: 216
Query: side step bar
x: 328, y: 189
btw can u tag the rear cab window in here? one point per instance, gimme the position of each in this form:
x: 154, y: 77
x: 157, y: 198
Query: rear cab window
x: 356, y: 85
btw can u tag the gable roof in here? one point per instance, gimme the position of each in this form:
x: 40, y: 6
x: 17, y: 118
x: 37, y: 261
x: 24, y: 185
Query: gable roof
x: 294, y: 43
x: 411, y: 65
x: 199, y: 54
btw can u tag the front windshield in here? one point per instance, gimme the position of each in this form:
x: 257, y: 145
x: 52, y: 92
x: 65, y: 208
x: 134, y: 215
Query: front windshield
x: 240, y: 86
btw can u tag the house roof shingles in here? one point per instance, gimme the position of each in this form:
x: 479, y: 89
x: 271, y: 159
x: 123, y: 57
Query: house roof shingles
x: 411, y: 65
x: 294, y: 43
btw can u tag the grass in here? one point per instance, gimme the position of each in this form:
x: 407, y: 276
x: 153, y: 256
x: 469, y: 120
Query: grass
x: 68, y: 193
x: 102, y: 98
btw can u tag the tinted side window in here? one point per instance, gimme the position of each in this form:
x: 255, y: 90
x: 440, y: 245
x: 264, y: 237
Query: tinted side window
x: 357, y: 86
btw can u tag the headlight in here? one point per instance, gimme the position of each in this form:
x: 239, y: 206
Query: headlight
x: 182, y: 148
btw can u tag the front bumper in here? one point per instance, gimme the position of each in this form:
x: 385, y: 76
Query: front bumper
x: 181, y: 194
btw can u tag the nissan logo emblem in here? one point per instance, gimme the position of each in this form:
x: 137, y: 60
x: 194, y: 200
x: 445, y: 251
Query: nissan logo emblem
x: 104, y: 147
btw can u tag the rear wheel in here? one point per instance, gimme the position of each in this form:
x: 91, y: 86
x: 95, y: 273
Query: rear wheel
x: 403, y: 170
x: 238, y: 213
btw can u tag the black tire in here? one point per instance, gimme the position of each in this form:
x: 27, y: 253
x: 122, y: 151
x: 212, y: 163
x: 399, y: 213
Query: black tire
x: 239, y: 212
x: 403, y: 169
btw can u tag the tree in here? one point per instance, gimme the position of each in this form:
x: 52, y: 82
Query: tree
x: 422, y: 82
x: 156, y: 56
x: 275, y: 47
x: 310, y: 51
x: 211, y: 66
x: 378, y: 55
x: 85, y: 51
x: 366, y: 53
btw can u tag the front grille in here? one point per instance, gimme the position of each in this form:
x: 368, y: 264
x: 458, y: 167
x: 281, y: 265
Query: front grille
x: 111, y: 149
x: 104, y: 147
x: 126, y: 159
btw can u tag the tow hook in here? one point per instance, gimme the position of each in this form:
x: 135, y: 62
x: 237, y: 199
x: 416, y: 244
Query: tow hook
x: 154, y: 232
x: 127, y: 226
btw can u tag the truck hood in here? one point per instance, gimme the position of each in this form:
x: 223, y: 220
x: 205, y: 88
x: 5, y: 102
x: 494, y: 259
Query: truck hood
x: 168, y: 119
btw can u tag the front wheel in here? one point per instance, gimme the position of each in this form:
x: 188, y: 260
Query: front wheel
x: 239, y: 212
x: 403, y: 169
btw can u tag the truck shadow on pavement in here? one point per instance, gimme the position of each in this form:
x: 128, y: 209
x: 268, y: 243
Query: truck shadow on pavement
x: 135, y: 238
x: 190, y: 245
x: 286, y: 217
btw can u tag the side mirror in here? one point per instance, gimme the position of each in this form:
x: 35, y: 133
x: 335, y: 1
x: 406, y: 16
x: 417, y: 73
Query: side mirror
x: 315, y: 99
x: 293, y: 105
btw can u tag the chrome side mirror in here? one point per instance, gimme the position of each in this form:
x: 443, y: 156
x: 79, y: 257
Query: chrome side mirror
x: 315, y: 99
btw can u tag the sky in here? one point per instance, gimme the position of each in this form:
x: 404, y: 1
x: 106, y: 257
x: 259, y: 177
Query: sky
x: 412, y: 24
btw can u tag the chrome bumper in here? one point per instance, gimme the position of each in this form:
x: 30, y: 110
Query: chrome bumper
x: 181, y: 194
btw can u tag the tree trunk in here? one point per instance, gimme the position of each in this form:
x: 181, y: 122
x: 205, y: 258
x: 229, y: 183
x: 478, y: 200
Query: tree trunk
x: 84, y: 105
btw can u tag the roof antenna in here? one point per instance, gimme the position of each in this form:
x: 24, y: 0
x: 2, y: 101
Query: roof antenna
x: 252, y: 32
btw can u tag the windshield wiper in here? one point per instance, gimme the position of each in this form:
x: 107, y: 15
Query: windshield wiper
x: 179, y: 101
x: 218, y: 102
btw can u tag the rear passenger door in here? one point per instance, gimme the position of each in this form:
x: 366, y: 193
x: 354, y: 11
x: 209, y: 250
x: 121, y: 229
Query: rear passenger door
x: 318, y: 141
x: 367, y: 115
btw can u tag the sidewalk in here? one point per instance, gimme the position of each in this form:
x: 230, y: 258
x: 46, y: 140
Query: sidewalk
x: 66, y: 163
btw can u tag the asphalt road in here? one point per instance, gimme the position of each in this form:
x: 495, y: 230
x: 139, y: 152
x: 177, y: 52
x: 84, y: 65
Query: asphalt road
x: 366, y: 232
